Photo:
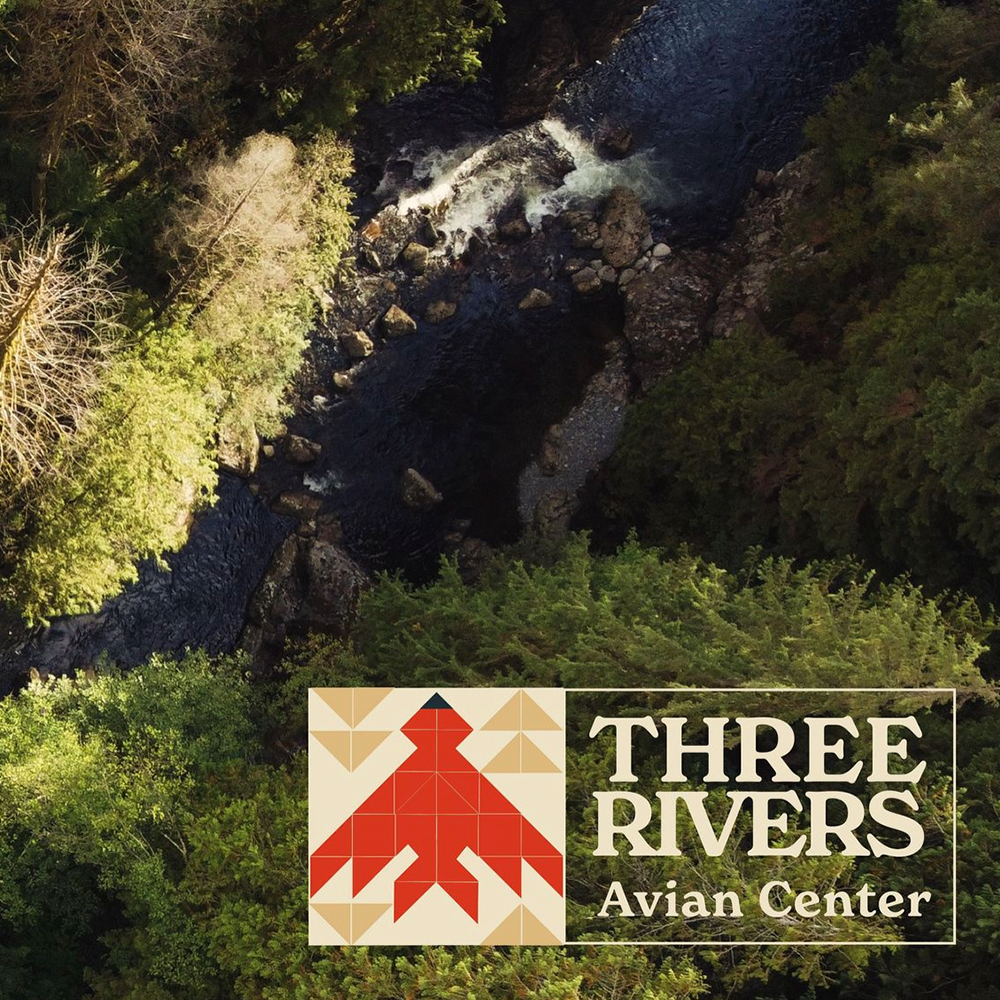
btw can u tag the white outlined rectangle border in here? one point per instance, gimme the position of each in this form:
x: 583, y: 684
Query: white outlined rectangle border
x: 953, y: 692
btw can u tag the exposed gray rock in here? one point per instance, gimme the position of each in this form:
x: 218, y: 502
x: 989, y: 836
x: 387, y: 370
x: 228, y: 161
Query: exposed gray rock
x: 515, y: 230
x: 585, y: 233
x: 667, y: 312
x: 608, y: 274
x: 310, y: 586
x: 624, y: 227
x: 586, y: 281
x: 550, y: 456
x: 387, y: 233
x: 371, y: 258
x: 431, y: 232
x: 439, y: 311
x: 686, y: 297
x: 238, y: 452
x: 417, y: 492
x: 301, y: 504
x: 302, y: 450
x: 343, y: 382
x: 398, y: 323
x: 553, y: 514
x: 333, y: 583
x: 357, y: 344
x: 416, y: 257
x: 535, y: 299
x: 267, y: 450
x: 329, y: 529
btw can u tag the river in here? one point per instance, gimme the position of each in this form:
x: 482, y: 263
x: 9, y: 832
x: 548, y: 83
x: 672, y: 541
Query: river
x: 708, y: 91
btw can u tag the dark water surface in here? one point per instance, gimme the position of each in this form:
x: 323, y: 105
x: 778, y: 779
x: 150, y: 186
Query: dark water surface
x: 711, y: 90
x: 718, y: 89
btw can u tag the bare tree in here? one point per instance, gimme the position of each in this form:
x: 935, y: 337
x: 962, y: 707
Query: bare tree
x: 106, y: 72
x: 248, y: 210
x: 57, y: 324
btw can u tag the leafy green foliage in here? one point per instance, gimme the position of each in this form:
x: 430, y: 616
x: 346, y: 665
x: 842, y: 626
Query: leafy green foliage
x: 125, y: 487
x: 112, y: 134
x: 865, y: 421
x: 637, y: 617
x: 97, y: 777
x: 146, y: 820
x: 332, y: 56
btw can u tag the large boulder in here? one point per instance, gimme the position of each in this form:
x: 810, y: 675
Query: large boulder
x: 667, y: 312
x: 586, y: 281
x: 238, y: 450
x: 398, y: 323
x: 440, y: 310
x: 357, y: 344
x: 301, y: 450
x: 312, y: 585
x: 418, y: 492
x: 298, y: 503
x: 537, y: 298
x: 416, y: 257
x: 624, y: 228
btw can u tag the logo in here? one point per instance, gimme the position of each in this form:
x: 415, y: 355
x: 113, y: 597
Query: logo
x: 436, y: 817
x: 696, y: 816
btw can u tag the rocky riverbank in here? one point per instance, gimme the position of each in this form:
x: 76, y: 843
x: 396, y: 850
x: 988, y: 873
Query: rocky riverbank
x: 661, y: 302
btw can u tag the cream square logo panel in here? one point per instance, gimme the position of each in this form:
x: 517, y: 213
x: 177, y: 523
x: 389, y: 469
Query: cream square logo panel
x: 436, y: 816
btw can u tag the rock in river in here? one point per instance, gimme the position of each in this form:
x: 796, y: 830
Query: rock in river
x: 535, y: 299
x: 418, y: 493
x: 416, y: 257
x: 624, y: 227
x: 302, y: 450
x: 586, y: 281
x: 357, y: 344
x: 439, y: 311
x: 304, y: 506
x: 398, y: 323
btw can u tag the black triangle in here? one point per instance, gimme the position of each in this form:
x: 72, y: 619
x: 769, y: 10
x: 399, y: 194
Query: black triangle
x: 436, y: 701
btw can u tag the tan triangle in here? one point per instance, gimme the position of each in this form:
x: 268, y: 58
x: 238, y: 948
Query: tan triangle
x: 533, y: 761
x: 364, y: 745
x: 509, y: 930
x: 508, y: 761
x: 338, y: 916
x: 341, y: 700
x: 339, y: 744
x: 508, y: 719
x: 533, y: 931
x: 365, y: 914
x: 533, y: 716
x: 366, y: 700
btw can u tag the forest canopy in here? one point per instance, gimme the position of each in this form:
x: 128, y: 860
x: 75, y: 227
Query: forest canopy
x: 158, y: 818
x: 162, y: 240
x: 173, y: 192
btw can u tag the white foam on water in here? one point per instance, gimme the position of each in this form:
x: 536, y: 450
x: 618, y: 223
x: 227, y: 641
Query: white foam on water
x: 327, y: 483
x: 468, y: 187
x: 594, y: 177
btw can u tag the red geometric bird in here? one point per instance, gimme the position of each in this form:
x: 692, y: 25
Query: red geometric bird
x: 437, y: 803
